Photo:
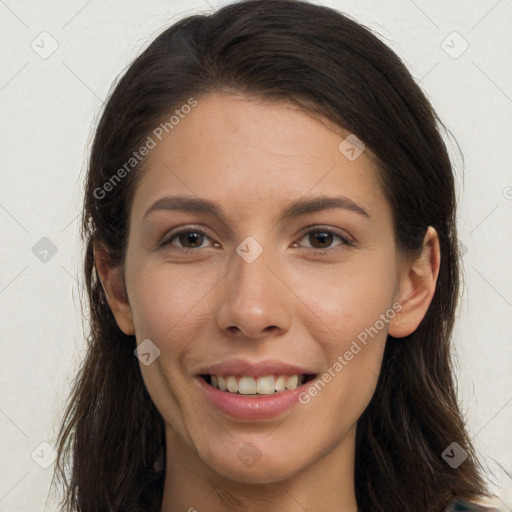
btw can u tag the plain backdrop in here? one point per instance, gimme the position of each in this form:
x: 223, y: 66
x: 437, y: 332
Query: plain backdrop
x: 58, y: 61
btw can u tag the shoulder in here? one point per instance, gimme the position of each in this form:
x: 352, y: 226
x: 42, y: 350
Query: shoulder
x: 462, y: 505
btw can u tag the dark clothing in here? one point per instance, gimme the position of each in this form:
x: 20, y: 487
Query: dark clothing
x: 459, y: 505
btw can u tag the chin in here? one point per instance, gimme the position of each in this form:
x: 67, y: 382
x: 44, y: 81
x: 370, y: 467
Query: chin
x: 249, y: 466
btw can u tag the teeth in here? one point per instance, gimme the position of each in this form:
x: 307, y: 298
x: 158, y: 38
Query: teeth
x: 247, y: 385
x: 232, y: 384
x: 266, y: 385
x: 292, y: 382
x: 281, y: 383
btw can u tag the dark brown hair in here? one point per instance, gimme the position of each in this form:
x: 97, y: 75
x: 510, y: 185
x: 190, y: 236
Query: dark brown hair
x: 112, y: 439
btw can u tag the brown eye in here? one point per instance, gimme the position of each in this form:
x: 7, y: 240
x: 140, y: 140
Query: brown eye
x: 321, y: 239
x: 186, y: 239
x: 191, y: 237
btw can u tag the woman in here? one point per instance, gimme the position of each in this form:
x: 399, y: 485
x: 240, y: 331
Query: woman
x: 270, y: 229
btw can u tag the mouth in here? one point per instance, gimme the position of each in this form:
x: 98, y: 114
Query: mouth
x: 272, y: 384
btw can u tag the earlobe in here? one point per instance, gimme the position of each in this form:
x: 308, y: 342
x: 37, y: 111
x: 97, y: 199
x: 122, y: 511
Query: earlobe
x: 112, y: 280
x: 417, y: 287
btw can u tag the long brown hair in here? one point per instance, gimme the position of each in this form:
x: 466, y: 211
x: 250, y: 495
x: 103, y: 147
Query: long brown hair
x: 111, y: 448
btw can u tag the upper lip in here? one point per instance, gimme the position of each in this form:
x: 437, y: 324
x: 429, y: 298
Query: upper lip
x: 254, y: 369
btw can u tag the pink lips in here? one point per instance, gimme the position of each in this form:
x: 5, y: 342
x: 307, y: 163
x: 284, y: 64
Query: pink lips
x: 239, y: 367
x: 251, y: 407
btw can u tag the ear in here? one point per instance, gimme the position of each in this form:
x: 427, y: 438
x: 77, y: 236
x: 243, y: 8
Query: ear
x: 417, y: 287
x: 112, y: 280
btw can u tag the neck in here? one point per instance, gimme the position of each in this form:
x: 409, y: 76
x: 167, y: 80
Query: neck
x: 327, y: 484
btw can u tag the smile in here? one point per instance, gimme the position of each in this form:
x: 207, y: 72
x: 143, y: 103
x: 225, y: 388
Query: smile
x: 253, y: 398
x: 264, y: 385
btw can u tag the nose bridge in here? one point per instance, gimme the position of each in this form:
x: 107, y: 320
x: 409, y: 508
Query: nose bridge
x: 254, y: 297
x: 251, y: 276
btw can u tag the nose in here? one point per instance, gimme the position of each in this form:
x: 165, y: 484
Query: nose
x: 256, y: 301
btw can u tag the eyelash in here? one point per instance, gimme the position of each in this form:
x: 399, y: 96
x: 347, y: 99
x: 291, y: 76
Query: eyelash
x: 313, y: 229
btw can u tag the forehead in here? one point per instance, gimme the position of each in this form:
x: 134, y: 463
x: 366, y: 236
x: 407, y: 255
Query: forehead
x: 251, y: 154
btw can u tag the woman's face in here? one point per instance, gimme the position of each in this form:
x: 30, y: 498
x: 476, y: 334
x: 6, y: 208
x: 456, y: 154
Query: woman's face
x: 259, y: 287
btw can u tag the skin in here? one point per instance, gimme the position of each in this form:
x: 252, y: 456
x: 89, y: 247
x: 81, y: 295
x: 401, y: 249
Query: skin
x: 292, y: 303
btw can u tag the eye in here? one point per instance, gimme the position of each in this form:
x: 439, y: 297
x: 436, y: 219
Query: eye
x: 322, y: 238
x: 188, y: 239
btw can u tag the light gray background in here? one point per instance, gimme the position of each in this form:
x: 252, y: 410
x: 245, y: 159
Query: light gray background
x: 48, y: 110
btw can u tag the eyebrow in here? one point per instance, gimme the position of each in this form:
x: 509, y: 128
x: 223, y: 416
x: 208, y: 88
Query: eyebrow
x: 294, y: 209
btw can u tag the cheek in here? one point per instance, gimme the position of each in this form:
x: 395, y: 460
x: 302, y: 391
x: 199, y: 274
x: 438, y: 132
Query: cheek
x: 351, y: 323
x: 166, y: 297
x: 168, y: 307
x: 352, y: 299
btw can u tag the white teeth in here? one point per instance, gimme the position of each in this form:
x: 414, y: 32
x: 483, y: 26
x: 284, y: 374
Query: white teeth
x: 266, y: 385
x: 232, y: 384
x: 292, y: 382
x: 281, y: 383
x: 247, y: 385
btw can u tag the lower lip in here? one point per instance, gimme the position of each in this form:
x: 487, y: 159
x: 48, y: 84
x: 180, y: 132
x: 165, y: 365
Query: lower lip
x: 250, y: 407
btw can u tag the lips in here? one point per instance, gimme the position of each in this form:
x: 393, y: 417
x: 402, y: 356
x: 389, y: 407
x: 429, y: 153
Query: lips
x: 242, y: 367
x: 251, y: 391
